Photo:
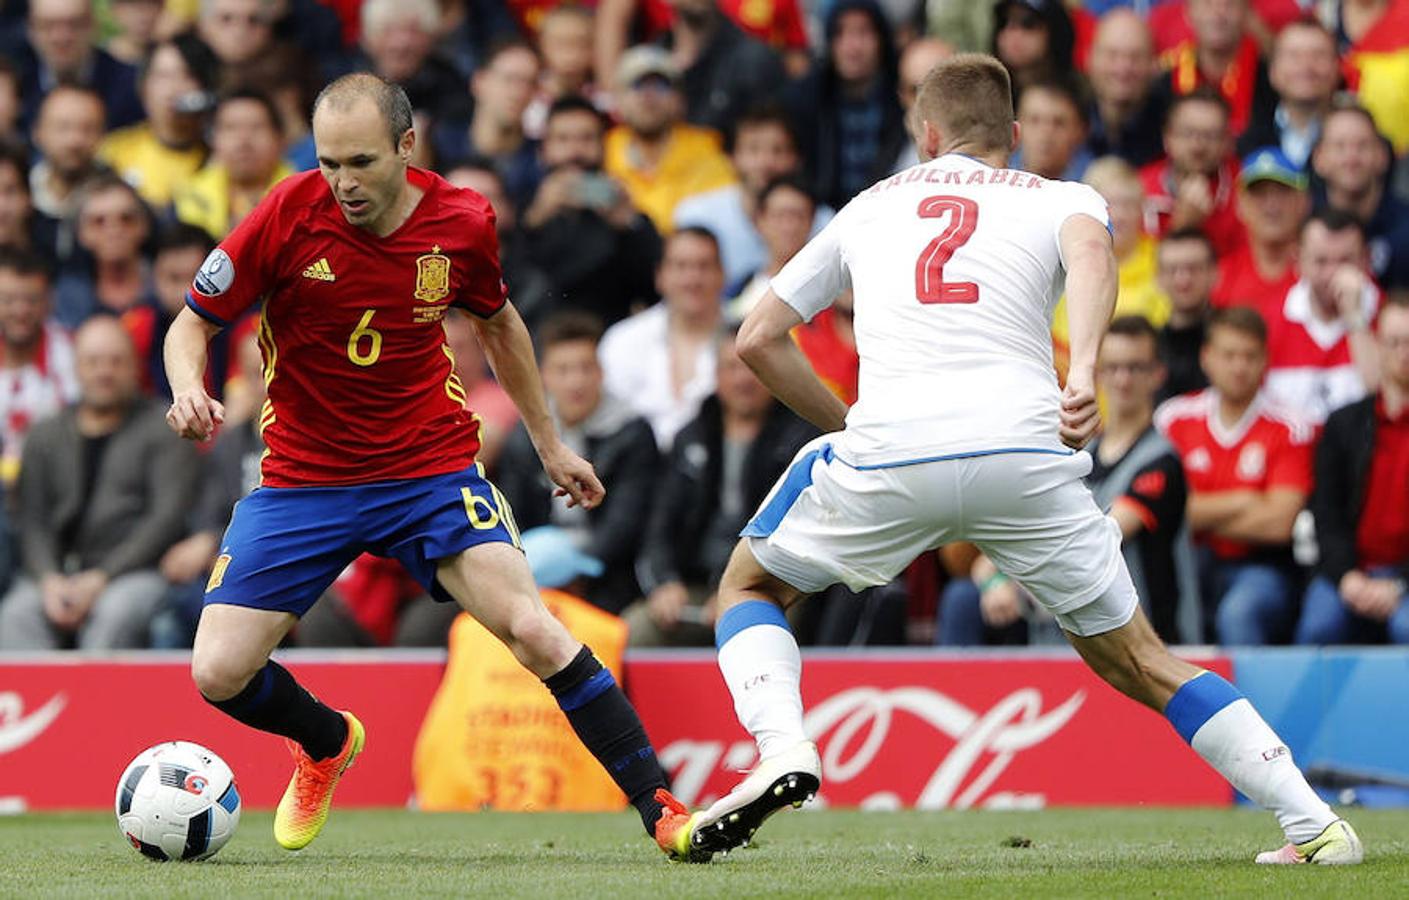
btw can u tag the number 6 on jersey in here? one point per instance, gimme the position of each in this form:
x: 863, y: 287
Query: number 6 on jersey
x: 929, y: 268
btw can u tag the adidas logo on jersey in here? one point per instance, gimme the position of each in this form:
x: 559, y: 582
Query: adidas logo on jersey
x: 320, y: 271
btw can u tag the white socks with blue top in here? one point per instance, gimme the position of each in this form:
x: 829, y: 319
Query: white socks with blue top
x: 763, y: 669
x: 1222, y: 727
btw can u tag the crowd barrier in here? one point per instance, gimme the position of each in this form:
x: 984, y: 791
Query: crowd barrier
x: 902, y: 728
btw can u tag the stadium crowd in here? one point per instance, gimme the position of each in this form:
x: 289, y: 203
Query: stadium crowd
x: 652, y: 164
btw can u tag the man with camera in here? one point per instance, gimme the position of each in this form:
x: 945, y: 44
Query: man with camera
x: 581, y: 228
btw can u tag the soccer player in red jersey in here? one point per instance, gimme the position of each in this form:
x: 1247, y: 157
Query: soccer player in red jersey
x: 370, y: 447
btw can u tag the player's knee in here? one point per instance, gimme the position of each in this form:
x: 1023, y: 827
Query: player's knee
x: 219, y: 677
x: 537, y: 640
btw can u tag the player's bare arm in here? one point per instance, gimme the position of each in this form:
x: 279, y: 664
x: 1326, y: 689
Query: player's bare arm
x: 194, y: 414
x: 1091, y: 292
x: 509, y: 349
x: 766, y: 344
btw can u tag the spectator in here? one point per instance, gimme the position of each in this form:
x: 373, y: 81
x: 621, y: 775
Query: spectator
x: 1187, y: 269
x: 777, y: 23
x: 136, y: 22
x: 979, y: 605
x: 722, y: 70
x: 502, y: 89
x: 311, y: 28
x: 20, y: 228
x: 966, y: 25
x: 659, y: 159
x: 606, y: 430
x: 37, y: 377
x: 230, y: 471
x: 1377, y: 35
x: 1053, y: 125
x: 246, y: 145
x: 1248, y: 464
x: 67, y: 133
x: 784, y: 219
x: 528, y: 284
x: 1362, y: 521
x: 719, y: 471
x: 167, y: 148
x: 1222, y: 57
x: 1139, y: 293
x: 1321, y: 352
x: 112, y: 226
x: 180, y: 250
x: 1194, y: 186
x: 102, y: 495
x: 763, y: 147
x: 1137, y: 475
x: 565, y: 47
x: 60, y: 50
x: 598, y: 251
x: 497, y: 413
x: 1034, y: 39
x: 1125, y: 117
x: 916, y: 60
x: 661, y: 361
x: 847, y: 108
x: 1305, y: 72
x: 239, y: 31
x: 1353, y: 161
x: 1272, y: 204
x: 398, y: 41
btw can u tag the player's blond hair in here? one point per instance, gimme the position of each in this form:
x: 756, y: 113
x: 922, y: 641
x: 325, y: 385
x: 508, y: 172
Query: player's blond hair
x: 969, y: 98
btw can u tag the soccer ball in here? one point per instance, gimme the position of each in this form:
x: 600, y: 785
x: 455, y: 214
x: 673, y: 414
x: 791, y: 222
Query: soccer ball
x: 177, y: 800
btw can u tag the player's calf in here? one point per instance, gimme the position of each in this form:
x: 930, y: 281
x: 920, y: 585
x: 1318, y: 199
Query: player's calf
x: 1215, y: 719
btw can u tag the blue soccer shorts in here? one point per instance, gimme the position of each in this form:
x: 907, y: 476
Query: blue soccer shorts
x: 284, y: 546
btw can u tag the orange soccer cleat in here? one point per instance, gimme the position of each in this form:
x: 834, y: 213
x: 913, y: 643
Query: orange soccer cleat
x: 304, y: 808
x: 675, y: 830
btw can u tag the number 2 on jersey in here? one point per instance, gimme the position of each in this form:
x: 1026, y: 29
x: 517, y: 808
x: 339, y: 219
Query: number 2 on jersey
x: 930, y: 286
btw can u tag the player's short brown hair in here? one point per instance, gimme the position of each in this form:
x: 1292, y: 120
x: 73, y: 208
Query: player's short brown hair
x: 389, y: 96
x: 1242, y: 319
x: 969, y: 98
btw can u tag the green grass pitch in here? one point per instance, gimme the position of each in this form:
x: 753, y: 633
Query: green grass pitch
x: 1068, y: 853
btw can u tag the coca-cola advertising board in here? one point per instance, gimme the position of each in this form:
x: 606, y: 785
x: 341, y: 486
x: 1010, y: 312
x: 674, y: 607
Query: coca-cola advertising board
x: 68, y: 727
x: 895, y: 729
x: 913, y: 730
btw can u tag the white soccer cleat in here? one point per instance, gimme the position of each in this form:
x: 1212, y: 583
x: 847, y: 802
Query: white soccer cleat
x: 785, y: 779
x: 1337, y: 845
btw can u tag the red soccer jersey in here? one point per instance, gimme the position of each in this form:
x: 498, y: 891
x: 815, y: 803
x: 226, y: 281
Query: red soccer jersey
x: 1309, y: 365
x: 1268, y: 449
x: 1241, y: 284
x: 361, y: 382
x: 1383, y: 536
x: 1222, y: 226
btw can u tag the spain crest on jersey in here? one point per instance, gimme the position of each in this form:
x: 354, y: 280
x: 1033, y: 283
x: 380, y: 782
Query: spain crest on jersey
x: 432, y: 276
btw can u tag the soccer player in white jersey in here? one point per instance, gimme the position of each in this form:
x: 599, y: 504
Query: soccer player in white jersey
x: 961, y: 434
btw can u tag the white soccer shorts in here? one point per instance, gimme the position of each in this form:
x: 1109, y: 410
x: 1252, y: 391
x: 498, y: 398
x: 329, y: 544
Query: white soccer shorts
x: 1030, y: 512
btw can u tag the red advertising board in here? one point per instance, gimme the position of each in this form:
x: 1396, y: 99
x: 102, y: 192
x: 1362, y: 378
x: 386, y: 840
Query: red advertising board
x: 68, y: 728
x: 907, y: 729
x: 914, y: 730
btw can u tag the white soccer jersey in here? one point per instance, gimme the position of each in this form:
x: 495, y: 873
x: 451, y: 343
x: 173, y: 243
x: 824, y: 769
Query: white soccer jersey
x: 956, y: 269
